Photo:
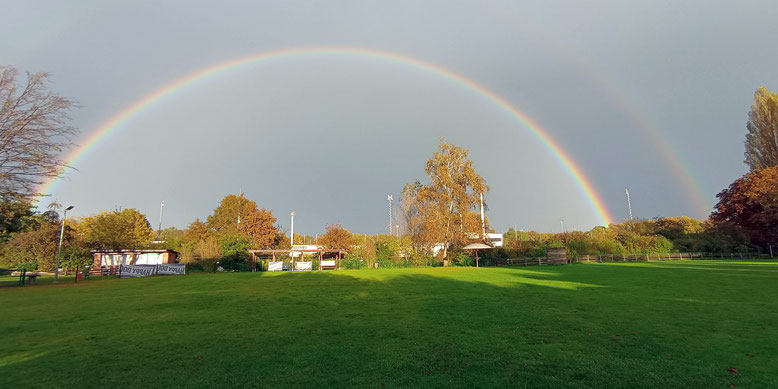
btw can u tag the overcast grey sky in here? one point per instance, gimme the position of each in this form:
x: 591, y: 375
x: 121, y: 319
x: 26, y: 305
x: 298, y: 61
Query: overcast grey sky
x: 627, y: 89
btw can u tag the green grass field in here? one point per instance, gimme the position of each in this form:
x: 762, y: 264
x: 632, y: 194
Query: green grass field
x: 661, y: 324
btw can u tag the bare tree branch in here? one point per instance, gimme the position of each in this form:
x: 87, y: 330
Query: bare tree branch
x: 34, y: 131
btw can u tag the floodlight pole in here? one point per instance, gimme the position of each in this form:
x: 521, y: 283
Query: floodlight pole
x: 389, y: 199
x: 629, y: 203
x: 161, y: 206
x: 483, y: 223
x: 291, y: 238
x: 61, y: 236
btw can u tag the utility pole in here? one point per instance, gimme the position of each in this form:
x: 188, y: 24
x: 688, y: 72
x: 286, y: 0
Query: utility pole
x: 629, y: 203
x: 291, y: 238
x: 389, y: 199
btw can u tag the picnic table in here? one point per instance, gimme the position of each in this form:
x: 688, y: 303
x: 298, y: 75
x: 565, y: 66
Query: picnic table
x: 31, y: 278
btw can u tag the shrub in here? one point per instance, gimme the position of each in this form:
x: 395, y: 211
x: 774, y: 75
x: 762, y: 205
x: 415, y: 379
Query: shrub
x: 386, y: 263
x: 352, y: 262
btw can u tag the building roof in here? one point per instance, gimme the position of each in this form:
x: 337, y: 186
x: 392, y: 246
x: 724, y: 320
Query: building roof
x: 297, y: 251
x: 476, y: 246
x: 126, y: 251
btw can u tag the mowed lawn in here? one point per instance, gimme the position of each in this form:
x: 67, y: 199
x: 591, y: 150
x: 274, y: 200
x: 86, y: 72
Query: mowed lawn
x: 662, y: 324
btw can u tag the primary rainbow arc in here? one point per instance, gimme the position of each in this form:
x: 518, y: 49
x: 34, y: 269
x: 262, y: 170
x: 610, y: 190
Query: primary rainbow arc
x: 573, y: 170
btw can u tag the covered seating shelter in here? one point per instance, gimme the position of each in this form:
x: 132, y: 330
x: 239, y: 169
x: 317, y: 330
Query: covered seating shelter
x: 275, y: 258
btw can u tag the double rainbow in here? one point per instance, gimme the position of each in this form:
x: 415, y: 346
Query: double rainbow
x: 574, y: 171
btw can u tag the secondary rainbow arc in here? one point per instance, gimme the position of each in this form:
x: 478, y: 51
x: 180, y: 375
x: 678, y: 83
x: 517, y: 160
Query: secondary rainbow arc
x: 572, y: 169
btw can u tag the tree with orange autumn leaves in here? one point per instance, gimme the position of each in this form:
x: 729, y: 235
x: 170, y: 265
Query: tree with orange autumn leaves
x: 337, y: 237
x: 445, y: 211
x: 237, y: 215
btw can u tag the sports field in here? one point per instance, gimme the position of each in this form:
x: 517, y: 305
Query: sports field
x: 709, y: 324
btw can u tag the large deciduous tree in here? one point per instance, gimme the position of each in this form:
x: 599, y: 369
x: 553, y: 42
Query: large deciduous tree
x: 751, y: 203
x: 452, y: 194
x: 762, y: 137
x: 410, y: 205
x: 16, y: 216
x: 36, y: 249
x: 34, y: 132
x: 238, y: 215
x: 337, y: 237
x: 197, y: 231
x: 126, y: 229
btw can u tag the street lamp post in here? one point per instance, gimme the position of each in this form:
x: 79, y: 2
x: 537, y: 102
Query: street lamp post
x: 61, y: 236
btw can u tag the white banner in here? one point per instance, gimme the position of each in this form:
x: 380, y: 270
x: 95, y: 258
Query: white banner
x: 128, y: 271
x: 171, y: 269
x: 303, y: 265
x: 166, y: 269
x: 275, y: 266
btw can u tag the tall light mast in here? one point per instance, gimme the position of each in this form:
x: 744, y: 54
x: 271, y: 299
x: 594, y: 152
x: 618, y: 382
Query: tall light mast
x: 629, y: 203
x: 291, y: 238
x: 483, y: 219
x: 389, y: 199
x: 161, y: 206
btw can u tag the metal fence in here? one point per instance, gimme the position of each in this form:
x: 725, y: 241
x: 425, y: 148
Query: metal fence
x: 645, y: 257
